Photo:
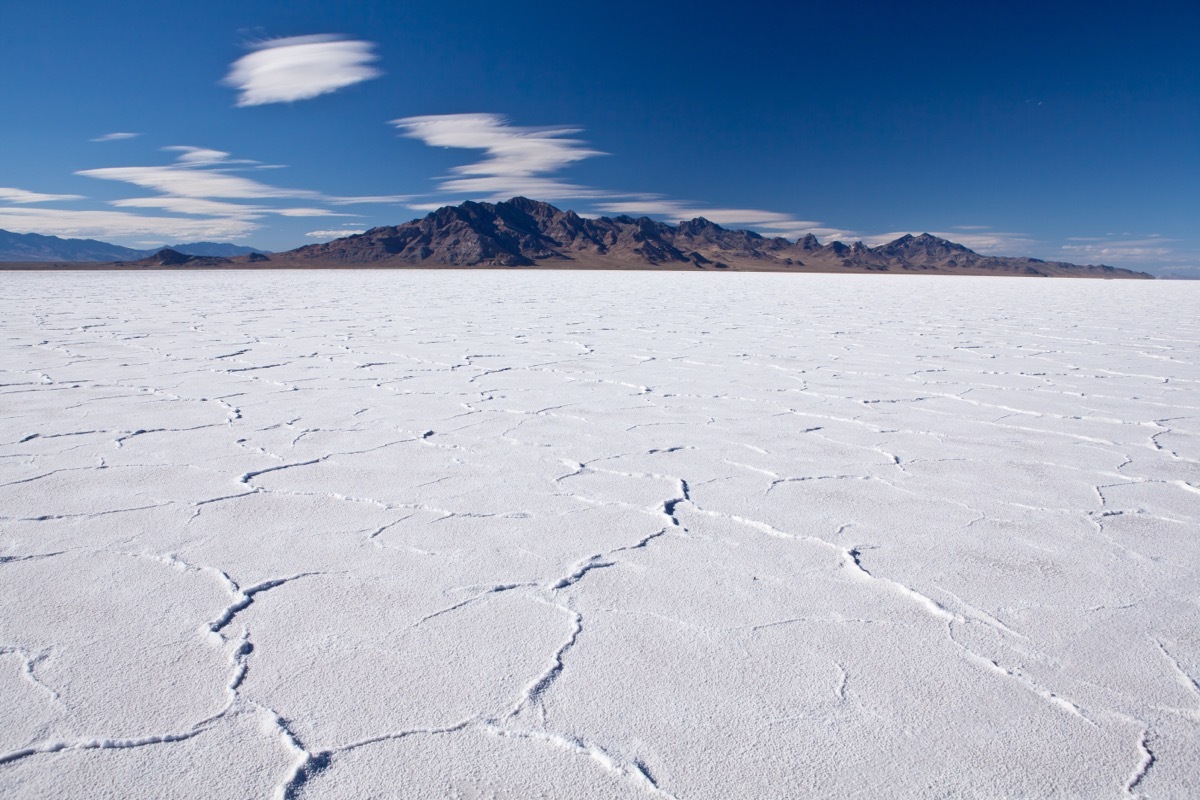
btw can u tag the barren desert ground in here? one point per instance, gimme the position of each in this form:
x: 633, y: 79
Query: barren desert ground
x: 591, y: 535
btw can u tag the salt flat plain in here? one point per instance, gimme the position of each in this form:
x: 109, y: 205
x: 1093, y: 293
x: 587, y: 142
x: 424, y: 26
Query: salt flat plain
x: 591, y: 535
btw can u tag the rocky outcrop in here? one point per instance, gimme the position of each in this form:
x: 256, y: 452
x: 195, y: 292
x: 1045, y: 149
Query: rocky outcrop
x: 173, y: 258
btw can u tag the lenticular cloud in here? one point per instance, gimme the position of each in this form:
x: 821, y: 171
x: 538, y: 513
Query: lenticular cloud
x: 300, y: 67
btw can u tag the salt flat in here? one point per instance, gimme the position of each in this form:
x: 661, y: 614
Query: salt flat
x: 592, y: 535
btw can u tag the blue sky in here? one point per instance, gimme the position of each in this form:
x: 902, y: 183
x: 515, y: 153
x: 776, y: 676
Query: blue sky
x: 1066, y: 131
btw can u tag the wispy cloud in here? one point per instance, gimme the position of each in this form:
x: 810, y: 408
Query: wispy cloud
x: 201, y: 173
x: 332, y: 234
x: 308, y: 212
x: 370, y: 198
x: 201, y: 184
x: 115, y: 137
x: 771, y: 223
x: 518, y: 159
x: 204, y: 156
x: 114, y: 224
x: 20, y: 196
x: 523, y: 161
x: 432, y: 206
x: 299, y: 68
x: 192, y: 175
x: 1148, y: 248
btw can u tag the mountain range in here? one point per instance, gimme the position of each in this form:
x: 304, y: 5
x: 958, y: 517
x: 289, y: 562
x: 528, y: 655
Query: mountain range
x: 35, y: 247
x: 523, y: 233
x: 528, y: 233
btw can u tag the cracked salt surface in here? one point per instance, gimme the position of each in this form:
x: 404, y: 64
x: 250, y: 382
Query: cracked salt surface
x: 475, y: 534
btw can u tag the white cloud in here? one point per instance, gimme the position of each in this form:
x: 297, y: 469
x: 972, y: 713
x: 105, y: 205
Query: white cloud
x: 300, y: 67
x: 377, y: 198
x: 517, y: 158
x: 308, y: 212
x: 200, y: 184
x: 201, y: 173
x: 1150, y: 248
x: 21, y: 196
x: 105, y: 224
x: 115, y: 137
x: 203, y: 156
x: 181, y: 182
x: 332, y: 234
x: 512, y: 150
x: 433, y: 206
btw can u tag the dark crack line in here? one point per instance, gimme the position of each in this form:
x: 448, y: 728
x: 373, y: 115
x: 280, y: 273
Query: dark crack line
x: 98, y: 744
x: 1143, y: 767
x: 34, y: 557
x: 589, y: 564
x: 245, y: 597
x: 497, y: 589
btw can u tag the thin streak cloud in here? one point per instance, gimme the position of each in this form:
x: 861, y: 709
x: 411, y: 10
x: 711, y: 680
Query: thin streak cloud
x: 201, y: 183
x: 204, y: 173
x: 21, y: 196
x: 333, y: 234
x: 1149, y: 248
x: 115, y: 137
x: 104, y: 224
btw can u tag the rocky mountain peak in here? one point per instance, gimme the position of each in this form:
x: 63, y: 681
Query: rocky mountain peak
x: 168, y: 257
x: 534, y: 208
x: 923, y: 243
x: 699, y: 224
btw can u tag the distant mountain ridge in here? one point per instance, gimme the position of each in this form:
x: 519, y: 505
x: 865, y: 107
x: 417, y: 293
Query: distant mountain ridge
x: 35, y: 247
x: 527, y: 233
x: 211, y: 249
x: 523, y: 232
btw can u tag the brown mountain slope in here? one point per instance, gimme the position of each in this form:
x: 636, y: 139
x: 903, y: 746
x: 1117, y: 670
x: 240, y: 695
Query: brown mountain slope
x: 526, y: 233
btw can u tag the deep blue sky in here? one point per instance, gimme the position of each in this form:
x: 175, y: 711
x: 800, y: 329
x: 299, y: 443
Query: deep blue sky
x: 1063, y: 130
